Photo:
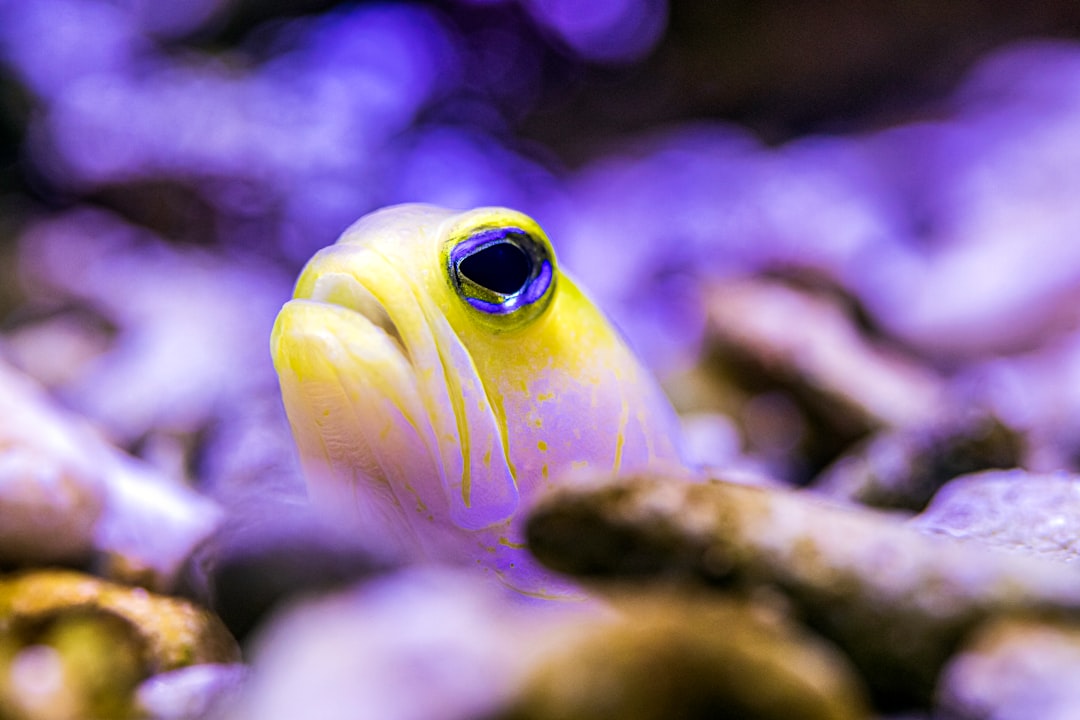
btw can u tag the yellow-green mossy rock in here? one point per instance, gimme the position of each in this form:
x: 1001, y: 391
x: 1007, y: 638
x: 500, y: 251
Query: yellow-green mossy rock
x: 74, y: 646
x: 671, y: 655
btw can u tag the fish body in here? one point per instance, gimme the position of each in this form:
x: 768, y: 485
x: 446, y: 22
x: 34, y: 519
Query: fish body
x: 439, y: 369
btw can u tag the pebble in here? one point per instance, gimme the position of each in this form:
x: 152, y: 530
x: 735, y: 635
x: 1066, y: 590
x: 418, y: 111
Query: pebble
x: 74, y: 646
x: 1014, y: 669
x: 902, y: 468
x: 803, y: 383
x: 424, y: 643
x: 88, y: 498
x: 676, y: 655
x: 174, y: 633
x: 190, y: 693
x: 48, y: 510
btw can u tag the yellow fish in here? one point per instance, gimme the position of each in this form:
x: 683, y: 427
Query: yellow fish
x: 439, y: 369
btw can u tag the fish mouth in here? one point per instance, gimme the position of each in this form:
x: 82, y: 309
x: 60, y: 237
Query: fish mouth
x: 344, y: 290
x: 359, y: 421
x: 368, y: 355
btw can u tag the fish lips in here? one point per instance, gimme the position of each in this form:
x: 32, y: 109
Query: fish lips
x: 349, y: 395
x: 385, y: 423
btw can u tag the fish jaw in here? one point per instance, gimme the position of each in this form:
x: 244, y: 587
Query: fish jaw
x: 369, y: 454
x: 359, y: 424
x: 390, y: 417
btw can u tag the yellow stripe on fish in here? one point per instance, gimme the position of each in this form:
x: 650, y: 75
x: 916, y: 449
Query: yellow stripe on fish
x: 439, y: 369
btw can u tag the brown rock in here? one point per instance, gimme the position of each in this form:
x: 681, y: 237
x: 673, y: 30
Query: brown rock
x: 49, y: 509
x: 895, y: 599
x: 672, y: 656
x: 67, y: 493
x: 173, y: 632
x: 795, y: 371
x: 1014, y: 669
x: 902, y: 468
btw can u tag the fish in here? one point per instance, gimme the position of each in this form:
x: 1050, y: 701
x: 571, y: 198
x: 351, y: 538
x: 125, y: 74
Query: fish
x: 440, y: 370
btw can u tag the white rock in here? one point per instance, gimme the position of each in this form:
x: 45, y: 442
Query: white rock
x: 424, y: 644
x: 192, y: 692
x: 66, y: 492
x: 1036, y: 514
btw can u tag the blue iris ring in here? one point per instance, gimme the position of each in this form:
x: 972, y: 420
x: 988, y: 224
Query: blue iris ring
x: 500, y: 270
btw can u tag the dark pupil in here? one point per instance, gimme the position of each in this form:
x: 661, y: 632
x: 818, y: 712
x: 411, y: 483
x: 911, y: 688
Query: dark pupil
x: 501, y: 267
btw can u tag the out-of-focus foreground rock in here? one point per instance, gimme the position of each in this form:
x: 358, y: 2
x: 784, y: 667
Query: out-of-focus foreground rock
x: 73, y: 646
x: 897, y: 600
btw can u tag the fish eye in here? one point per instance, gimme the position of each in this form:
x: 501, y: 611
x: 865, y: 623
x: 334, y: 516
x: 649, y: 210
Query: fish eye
x: 500, y: 270
x: 501, y: 267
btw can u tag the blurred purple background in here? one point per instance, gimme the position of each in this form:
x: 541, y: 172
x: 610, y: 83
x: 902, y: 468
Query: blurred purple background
x: 166, y: 168
x: 871, y: 210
